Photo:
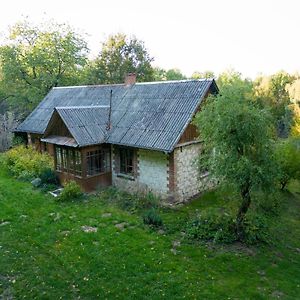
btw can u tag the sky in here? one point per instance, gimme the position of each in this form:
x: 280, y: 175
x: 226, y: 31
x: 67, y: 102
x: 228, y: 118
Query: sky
x: 251, y: 36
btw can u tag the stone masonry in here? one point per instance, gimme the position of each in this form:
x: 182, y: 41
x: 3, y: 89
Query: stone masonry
x: 188, y: 181
x: 152, y: 174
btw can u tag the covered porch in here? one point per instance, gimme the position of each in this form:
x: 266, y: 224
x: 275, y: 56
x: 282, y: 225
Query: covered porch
x: 89, y: 166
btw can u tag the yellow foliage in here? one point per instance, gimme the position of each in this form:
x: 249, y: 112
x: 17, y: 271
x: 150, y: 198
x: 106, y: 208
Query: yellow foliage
x: 295, y: 128
x: 26, y: 160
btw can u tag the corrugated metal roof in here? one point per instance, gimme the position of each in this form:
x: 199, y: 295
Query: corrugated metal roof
x: 87, y: 124
x: 146, y: 115
x: 60, y: 140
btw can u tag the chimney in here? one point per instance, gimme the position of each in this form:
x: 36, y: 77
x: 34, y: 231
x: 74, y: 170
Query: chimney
x: 130, y: 79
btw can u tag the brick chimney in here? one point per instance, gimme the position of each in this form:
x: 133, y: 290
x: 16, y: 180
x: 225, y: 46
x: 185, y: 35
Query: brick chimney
x: 130, y: 79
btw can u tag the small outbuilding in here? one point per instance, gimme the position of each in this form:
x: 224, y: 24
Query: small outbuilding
x: 136, y: 136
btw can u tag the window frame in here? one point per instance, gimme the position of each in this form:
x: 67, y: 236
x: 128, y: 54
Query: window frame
x: 126, y: 162
x: 68, y: 160
x: 100, y: 162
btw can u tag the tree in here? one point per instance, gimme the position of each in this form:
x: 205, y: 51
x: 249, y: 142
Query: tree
x: 288, y: 157
x: 171, y: 74
x: 121, y: 55
x: 159, y: 74
x: 174, y: 74
x: 272, y: 93
x: 37, y: 58
x: 294, y: 108
x: 206, y: 74
x: 237, y: 142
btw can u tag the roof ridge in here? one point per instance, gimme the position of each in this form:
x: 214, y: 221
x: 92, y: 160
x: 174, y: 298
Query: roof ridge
x: 175, y: 81
x: 82, y: 106
x: 137, y: 83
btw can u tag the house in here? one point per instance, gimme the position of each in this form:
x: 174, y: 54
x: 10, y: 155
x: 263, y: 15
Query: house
x: 136, y: 136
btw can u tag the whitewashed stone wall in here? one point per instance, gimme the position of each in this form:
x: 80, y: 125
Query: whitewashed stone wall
x: 153, y: 169
x: 188, y: 181
x: 152, y: 174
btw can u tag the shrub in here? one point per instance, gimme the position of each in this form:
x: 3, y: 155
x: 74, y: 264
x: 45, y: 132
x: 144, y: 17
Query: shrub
x: 147, y: 201
x: 26, y: 176
x: 127, y: 201
x: 18, y: 140
x: 48, y: 176
x: 212, y: 226
x: 71, y: 191
x: 221, y: 228
x: 256, y: 229
x: 268, y: 204
x: 26, y: 160
x: 151, y: 217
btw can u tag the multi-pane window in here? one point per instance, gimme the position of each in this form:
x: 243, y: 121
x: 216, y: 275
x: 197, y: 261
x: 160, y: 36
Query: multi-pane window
x: 68, y: 160
x: 126, y: 161
x: 98, y: 161
x: 59, y: 161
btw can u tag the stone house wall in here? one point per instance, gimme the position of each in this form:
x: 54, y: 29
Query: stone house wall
x: 151, y: 174
x: 188, y: 181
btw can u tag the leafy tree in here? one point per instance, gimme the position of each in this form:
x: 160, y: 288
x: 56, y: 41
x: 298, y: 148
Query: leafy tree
x: 171, y: 74
x: 294, y: 108
x: 232, y: 80
x: 272, y: 92
x: 288, y: 157
x: 174, y: 74
x: 159, y: 74
x: 120, y: 55
x: 237, y: 142
x: 206, y: 74
x: 36, y: 58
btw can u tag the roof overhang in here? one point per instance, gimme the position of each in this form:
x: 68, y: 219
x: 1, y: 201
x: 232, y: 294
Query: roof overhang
x: 60, y: 140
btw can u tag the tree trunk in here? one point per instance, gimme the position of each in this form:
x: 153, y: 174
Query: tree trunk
x: 283, y: 185
x: 246, y: 201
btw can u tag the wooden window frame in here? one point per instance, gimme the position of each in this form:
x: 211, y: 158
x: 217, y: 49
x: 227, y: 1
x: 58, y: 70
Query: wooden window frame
x: 98, y: 162
x: 68, y: 160
x: 126, y: 162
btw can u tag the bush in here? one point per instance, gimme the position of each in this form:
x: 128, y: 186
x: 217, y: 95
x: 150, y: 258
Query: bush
x: 147, y: 201
x: 71, y: 191
x: 48, y: 176
x: 26, y: 162
x: 221, y: 228
x: 151, y: 217
x: 256, y: 229
x: 212, y: 226
x: 127, y: 201
x: 268, y: 204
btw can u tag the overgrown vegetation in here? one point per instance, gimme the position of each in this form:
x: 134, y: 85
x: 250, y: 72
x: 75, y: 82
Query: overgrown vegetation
x: 45, y: 253
x: 71, y: 192
x: 287, y: 154
x: 129, y: 202
x: 238, y: 148
x: 26, y: 163
x: 152, y: 218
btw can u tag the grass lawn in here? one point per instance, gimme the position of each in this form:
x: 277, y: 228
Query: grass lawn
x: 45, y: 254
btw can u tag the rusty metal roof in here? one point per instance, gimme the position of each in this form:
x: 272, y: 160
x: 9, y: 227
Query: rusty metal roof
x: 145, y: 115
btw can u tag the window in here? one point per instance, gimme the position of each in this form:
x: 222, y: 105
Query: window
x: 77, y: 162
x: 68, y: 160
x: 58, y: 153
x: 126, y: 161
x: 98, y: 162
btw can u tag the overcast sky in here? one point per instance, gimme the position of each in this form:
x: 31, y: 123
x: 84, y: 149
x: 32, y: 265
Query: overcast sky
x: 253, y: 36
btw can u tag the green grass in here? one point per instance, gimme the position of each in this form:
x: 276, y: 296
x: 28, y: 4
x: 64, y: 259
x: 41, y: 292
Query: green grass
x: 44, y: 254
